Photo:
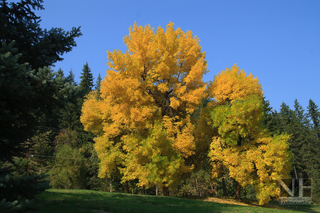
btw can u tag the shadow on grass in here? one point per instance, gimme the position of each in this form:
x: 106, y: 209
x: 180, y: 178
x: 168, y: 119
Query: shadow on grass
x: 100, y: 202
x: 273, y: 204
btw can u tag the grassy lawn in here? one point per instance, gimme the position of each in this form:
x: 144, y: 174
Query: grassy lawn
x: 75, y: 201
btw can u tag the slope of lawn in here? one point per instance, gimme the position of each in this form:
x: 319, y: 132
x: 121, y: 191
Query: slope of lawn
x: 75, y: 201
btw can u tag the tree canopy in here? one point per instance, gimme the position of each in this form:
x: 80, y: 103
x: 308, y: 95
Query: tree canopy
x: 143, y: 118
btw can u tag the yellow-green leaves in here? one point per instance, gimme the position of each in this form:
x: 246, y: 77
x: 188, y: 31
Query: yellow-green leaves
x: 240, y: 119
x: 151, y: 159
x: 242, y: 145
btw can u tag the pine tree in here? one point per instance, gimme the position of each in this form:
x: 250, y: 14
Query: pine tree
x: 86, y: 77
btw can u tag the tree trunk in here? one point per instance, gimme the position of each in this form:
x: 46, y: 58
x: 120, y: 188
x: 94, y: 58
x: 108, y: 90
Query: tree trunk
x: 127, y: 187
x: 165, y: 191
x: 195, y: 188
x: 238, y: 191
x: 110, y: 184
x: 156, y: 190
x: 212, y: 189
x: 224, y: 186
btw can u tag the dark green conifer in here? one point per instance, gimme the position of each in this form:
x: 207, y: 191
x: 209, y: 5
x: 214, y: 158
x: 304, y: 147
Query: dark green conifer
x: 314, y: 115
x: 39, y: 47
x: 31, y: 93
x: 270, y: 119
x: 86, y: 77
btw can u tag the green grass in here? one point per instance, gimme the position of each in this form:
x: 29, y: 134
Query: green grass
x: 75, y: 201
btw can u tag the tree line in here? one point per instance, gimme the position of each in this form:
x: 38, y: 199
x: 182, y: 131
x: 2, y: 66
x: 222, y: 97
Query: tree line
x: 152, y: 126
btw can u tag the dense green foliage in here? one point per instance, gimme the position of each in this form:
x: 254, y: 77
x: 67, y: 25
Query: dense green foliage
x: 31, y: 95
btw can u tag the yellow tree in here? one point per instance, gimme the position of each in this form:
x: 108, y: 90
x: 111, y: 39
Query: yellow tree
x: 242, y: 146
x: 142, y: 118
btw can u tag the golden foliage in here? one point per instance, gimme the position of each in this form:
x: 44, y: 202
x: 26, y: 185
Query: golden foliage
x: 234, y: 85
x: 143, y: 114
x: 242, y: 145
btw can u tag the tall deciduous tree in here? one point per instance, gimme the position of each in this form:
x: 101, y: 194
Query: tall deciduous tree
x: 143, y: 119
x: 243, y: 146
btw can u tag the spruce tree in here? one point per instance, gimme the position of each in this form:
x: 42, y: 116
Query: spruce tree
x: 86, y: 77
x: 27, y: 95
x: 70, y: 78
x: 31, y: 93
x: 60, y: 73
x: 39, y: 47
x: 17, y: 97
x: 302, y: 138
x: 270, y: 119
x: 97, y: 87
x: 314, y: 158
x: 314, y: 115
x: 98, y: 83
x: 296, y: 123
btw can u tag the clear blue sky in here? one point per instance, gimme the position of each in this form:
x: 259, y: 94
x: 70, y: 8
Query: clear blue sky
x: 278, y: 41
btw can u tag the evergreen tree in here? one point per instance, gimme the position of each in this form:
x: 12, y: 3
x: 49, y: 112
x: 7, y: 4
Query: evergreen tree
x: 314, y: 115
x: 295, y: 123
x: 28, y: 96
x: 98, y: 83
x: 41, y: 149
x: 269, y: 121
x: 39, y: 47
x: 70, y: 78
x: 17, y: 98
x: 97, y: 87
x: 31, y: 93
x: 60, y: 73
x: 86, y: 77
x: 314, y: 158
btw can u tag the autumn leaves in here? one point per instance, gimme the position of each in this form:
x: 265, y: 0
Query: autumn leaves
x: 242, y: 146
x: 147, y: 124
